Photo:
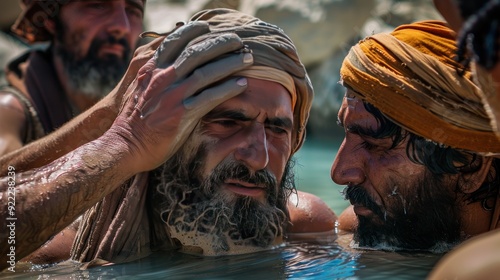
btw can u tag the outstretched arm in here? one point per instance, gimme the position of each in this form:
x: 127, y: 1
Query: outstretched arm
x: 163, y: 105
x: 43, y: 201
x: 83, y: 128
x: 92, y: 123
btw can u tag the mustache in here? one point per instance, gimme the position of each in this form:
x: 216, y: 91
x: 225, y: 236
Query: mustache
x: 98, y: 43
x: 356, y: 194
x: 235, y: 170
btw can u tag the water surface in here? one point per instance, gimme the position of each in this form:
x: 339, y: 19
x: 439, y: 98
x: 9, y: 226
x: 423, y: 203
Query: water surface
x: 296, y: 260
x: 327, y: 256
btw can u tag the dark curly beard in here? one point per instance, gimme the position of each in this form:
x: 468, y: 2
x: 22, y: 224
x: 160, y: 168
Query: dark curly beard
x: 198, y: 214
x: 421, y: 216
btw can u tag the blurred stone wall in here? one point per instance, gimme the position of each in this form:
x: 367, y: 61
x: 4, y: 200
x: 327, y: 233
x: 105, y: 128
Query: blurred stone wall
x: 322, y: 30
x: 9, y: 46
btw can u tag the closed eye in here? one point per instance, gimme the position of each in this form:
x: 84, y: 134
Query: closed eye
x: 277, y: 129
x: 225, y: 122
x: 279, y: 125
x: 368, y: 146
x: 377, y: 145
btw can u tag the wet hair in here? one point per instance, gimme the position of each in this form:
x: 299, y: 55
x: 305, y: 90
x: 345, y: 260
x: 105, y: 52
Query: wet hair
x: 438, y: 159
x: 480, y: 32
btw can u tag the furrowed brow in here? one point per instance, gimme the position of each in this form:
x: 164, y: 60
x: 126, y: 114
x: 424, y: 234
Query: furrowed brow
x: 230, y: 114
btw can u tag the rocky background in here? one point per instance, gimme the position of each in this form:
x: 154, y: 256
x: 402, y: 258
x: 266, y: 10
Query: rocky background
x: 322, y: 30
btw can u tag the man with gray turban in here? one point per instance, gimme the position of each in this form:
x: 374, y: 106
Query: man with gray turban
x: 203, y: 171
x: 420, y: 156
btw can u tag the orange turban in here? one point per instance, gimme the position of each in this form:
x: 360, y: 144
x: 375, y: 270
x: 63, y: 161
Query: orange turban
x: 411, y: 76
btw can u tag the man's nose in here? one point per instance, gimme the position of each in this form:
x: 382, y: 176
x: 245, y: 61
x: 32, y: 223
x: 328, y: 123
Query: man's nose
x: 252, y: 150
x: 348, y: 166
x: 119, y: 22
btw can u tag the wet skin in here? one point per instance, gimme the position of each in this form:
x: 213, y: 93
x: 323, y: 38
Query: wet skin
x: 246, y: 146
x: 396, y: 201
x: 368, y: 162
x: 254, y: 128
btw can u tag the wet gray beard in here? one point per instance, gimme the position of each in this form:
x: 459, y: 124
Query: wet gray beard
x: 196, y: 208
x: 92, y: 76
x: 91, y: 79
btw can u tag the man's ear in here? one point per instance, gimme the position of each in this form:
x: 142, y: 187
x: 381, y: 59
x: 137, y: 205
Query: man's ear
x: 471, y: 181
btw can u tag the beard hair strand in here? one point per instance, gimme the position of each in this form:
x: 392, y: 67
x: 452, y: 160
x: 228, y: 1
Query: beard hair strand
x: 429, y: 222
x: 196, y: 209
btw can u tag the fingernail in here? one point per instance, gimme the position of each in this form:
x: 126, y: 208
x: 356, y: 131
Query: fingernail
x: 247, y: 58
x: 241, y: 82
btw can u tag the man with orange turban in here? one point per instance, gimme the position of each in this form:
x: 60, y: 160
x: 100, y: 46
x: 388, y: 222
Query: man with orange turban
x: 418, y: 156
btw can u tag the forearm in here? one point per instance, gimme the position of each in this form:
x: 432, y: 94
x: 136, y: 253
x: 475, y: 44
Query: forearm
x: 48, y: 199
x: 84, y: 128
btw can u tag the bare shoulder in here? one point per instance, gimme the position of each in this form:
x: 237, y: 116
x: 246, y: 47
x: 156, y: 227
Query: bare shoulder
x: 309, y: 213
x: 12, y: 122
x: 348, y: 220
x: 477, y: 258
x: 11, y: 102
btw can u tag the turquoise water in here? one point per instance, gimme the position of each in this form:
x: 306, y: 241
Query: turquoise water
x: 297, y: 260
x: 319, y: 257
x: 312, y: 170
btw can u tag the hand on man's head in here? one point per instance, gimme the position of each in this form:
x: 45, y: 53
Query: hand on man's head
x: 175, y: 88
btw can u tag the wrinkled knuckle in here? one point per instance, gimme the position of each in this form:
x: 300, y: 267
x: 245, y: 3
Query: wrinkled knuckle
x: 139, y: 50
x: 155, y: 83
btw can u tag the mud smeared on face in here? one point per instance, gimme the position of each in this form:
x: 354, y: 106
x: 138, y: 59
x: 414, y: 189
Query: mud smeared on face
x: 206, y: 219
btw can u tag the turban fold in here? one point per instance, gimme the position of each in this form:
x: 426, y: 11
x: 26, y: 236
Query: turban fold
x: 271, y: 47
x: 411, y: 76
